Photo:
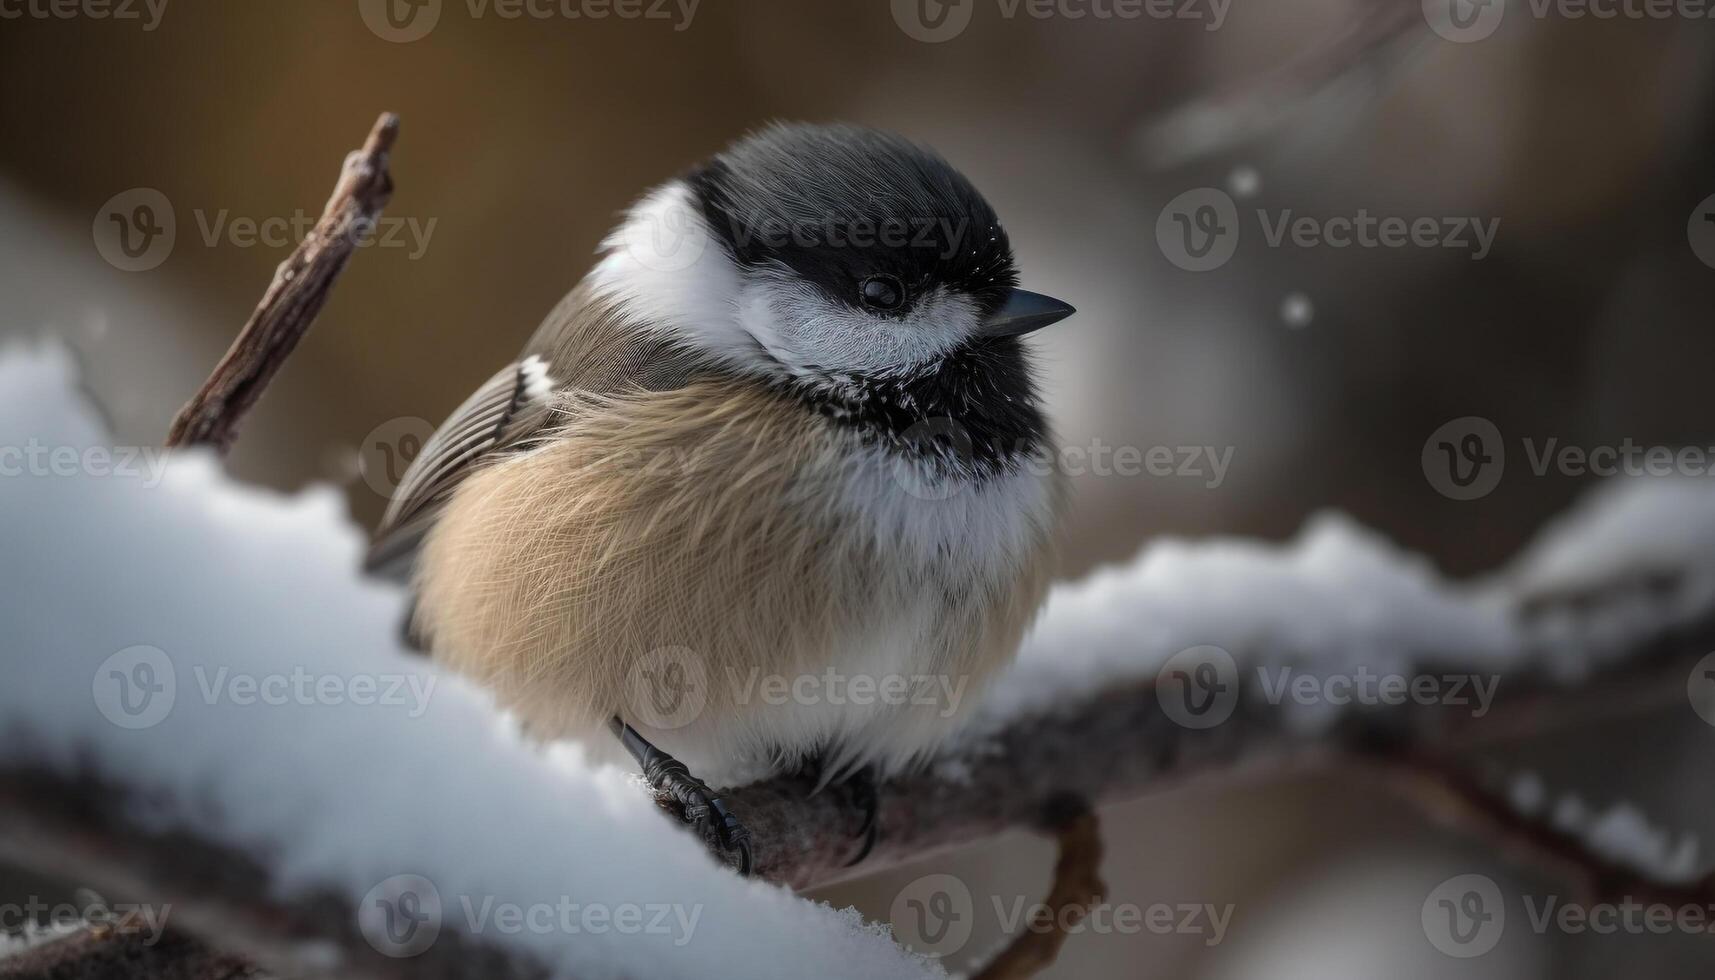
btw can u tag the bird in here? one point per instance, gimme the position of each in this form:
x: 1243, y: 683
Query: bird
x: 771, y: 489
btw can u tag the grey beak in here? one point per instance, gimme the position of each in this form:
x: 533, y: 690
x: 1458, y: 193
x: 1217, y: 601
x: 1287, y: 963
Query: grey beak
x: 1025, y: 311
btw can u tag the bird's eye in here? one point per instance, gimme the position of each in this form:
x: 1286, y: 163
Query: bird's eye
x: 883, y: 293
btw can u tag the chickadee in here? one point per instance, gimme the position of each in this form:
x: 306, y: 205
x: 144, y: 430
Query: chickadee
x: 760, y: 492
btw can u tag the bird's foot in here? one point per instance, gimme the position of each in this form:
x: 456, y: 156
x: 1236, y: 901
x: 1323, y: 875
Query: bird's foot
x: 699, y: 805
x: 863, y: 792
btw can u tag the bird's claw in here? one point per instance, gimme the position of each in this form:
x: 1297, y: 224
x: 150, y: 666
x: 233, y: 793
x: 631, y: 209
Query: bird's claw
x: 702, y: 809
x: 866, y: 796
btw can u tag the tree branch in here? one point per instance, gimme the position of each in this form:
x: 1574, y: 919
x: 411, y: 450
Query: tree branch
x: 1461, y: 800
x: 1115, y: 745
x: 1121, y: 744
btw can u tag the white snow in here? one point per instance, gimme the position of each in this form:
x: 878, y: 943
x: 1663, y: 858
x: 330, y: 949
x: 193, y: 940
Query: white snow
x: 33, y: 935
x: 1622, y: 833
x: 1625, y: 836
x: 1340, y: 599
x: 198, y: 575
x: 1337, y: 598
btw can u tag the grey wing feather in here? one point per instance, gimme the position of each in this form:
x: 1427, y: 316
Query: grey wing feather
x: 588, y: 347
x: 505, y: 411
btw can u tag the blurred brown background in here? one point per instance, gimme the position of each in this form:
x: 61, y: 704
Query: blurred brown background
x: 1591, y: 142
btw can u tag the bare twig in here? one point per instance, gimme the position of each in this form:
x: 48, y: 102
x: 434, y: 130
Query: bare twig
x: 301, y: 286
x: 1077, y: 888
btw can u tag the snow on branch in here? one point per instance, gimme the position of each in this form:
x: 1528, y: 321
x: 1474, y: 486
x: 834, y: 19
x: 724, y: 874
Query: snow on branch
x: 207, y: 708
x: 1233, y: 657
x: 220, y: 720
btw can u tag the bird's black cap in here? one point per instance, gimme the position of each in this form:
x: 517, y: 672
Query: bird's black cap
x: 838, y: 204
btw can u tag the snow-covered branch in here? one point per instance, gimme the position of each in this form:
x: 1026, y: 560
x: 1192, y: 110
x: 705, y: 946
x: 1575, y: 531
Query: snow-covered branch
x: 221, y: 721
x: 234, y: 732
x: 1233, y: 658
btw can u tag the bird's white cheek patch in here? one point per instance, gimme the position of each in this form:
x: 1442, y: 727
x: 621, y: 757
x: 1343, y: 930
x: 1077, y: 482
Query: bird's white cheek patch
x: 813, y: 335
x: 666, y: 270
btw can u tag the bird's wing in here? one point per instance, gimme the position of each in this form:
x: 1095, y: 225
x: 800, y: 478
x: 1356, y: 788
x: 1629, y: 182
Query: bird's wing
x: 583, y: 345
x: 503, y: 413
